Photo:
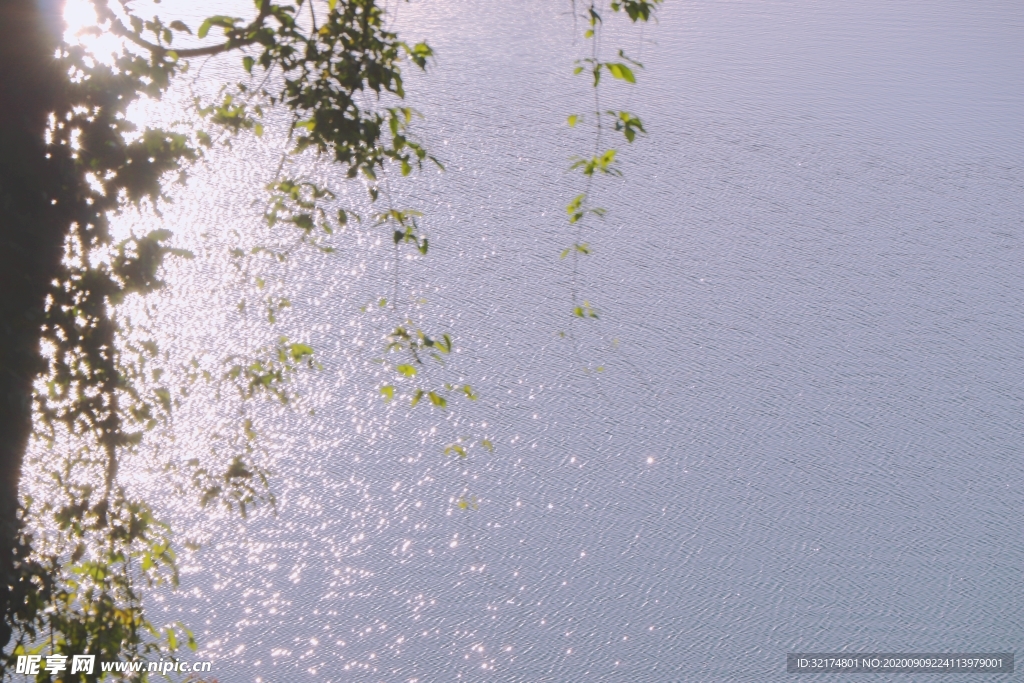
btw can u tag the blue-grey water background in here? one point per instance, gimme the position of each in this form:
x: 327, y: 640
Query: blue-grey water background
x: 807, y: 435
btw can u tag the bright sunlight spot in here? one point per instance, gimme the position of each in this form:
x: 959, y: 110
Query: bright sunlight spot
x: 80, y: 15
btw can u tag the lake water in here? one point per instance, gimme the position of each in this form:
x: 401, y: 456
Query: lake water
x: 808, y: 432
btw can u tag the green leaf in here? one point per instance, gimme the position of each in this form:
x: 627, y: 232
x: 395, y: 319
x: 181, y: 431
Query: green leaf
x: 180, y: 26
x: 250, y: 433
x: 621, y: 71
x: 417, y: 395
x: 247, y: 62
x: 237, y: 469
x: 407, y: 370
x: 258, y: 130
x: 486, y: 443
x: 300, y: 351
x: 573, y: 120
x: 575, y: 207
x: 437, y: 400
x: 419, y: 53
x: 455, y: 448
x: 304, y: 221
x: 388, y: 392
x: 164, y: 397
x: 219, y: 20
x: 468, y: 390
x: 585, y: 311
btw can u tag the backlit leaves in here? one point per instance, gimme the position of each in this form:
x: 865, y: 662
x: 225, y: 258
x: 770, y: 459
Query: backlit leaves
x: 620, y: 71
x: 637, y: 10
x: 227, y: 23
x: 332, y: 76
x: 628, y: 124
x: 584, y: 311
x: 602, y: 164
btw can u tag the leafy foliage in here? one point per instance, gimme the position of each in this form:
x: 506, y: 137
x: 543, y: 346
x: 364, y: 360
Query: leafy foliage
x: 339, y: 77
x: 106, y: 388
x: 600, y: 162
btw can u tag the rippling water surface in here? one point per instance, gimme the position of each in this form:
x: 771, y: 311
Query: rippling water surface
x: 808, y: 433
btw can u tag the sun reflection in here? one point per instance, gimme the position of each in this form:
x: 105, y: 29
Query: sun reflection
x: 78, y: 14
x: 79, y: 17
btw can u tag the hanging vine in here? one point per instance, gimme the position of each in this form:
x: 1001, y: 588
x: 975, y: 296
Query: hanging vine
x: 601, y: 161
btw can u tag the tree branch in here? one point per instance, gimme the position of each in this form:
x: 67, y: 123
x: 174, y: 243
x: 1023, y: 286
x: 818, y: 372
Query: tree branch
x: 123, y: 31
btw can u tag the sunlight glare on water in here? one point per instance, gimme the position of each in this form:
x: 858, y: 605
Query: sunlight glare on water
x: 805, y: 434
x: 80, y: 15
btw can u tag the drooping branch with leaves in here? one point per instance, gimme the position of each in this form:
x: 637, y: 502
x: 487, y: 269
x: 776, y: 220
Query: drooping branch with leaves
x: 88, y: 382
x: 98, y: 390
x: 601, y: 161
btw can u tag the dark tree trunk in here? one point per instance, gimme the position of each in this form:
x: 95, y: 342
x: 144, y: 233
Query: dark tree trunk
x: 32, y: 233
